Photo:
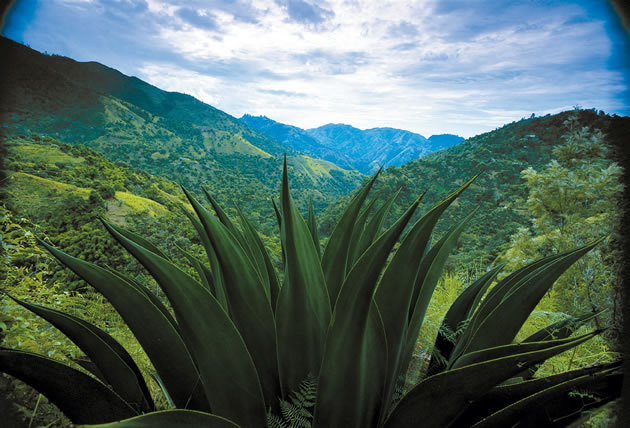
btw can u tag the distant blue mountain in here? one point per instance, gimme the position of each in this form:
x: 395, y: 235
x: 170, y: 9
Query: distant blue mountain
x: 352, y: 148
x: 297, y: 139
x: 442, y: 141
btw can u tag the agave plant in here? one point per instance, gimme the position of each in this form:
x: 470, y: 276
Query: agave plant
x: 242, y: 343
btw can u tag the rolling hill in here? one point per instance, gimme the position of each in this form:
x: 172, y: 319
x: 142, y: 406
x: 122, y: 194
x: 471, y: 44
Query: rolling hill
x: 164, y: 133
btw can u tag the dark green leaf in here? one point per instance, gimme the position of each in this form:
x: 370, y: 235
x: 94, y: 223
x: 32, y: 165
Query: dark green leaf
x: 452, y: 391
x: 504, y: 395
x: 373, y: 227
x: 505, y: 320
x: 358, y: 232
x: 312, y: 225
x: 211, y: 337
x: 217, y: 273
x: 159, y: 339
x: 461, y: 309
x: 205, y: 275
x: 394, y: 291
x: 428, y: 276
x: 354, y: 367
x: 303, y: 310
x: 248, y: 300
x: 112, y: 360
x: 561, y: 403
x: 66, y: 387
x: 336, y: 251
x: 172, y: 418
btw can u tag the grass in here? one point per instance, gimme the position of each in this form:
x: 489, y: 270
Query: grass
x: 140, y: 204
x: 37, y: 153
x: 26, y: 191
x: 227, y: 143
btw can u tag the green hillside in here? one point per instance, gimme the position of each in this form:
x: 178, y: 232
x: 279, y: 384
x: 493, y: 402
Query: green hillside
x: 164, y: 133
x: 61, y: 190
x: 499, y: 192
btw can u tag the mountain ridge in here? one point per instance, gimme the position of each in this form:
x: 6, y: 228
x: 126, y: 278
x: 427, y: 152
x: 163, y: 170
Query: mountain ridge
x: 350, y: 147
x: 164, y: 133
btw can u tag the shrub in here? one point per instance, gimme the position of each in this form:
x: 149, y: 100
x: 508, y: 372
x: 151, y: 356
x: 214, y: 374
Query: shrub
x: 329, y: 344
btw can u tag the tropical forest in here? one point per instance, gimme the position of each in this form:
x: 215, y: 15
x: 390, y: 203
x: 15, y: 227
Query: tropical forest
x: 163, y: 263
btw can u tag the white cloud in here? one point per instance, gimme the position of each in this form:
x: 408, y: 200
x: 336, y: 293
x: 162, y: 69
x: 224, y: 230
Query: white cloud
x: 428, y: 66
x: 176, y: 79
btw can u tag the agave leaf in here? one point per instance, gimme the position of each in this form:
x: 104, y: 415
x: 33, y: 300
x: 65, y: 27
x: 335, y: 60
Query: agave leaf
x: 222, y: 215
x: 217, y: 273
x: 358, y: 232
x: 431, y: 268
x: 460, y: 311
x: 512, y: 349
x: 336, y: 251
x: 494, y: 297
x: 66, y: 388
x: 278, y: 212
x: 504, y: 395
x: 563, y: 328
x: 559, y: 405
x: 374, y: 226
x: 354, y: 365
x: 394, y: 291
x: 505, y: 320
x: 211, y: 337
x: 159, y: 339
x: 205, y: 274
x: 248, y: 300
x: 303, y: 309
x: 262, y: 258
x: 279, y: 219
x: 312, y: 225
x: 89, y: 366
x: 171, y: 418
x: 558, y: 330
x: 156, y: 377
x: 141, y: 241
x: 452, y: 391
x: 240, y: 236
x: 152, y: 297
x: 113, y: 362
x: 428, y: 276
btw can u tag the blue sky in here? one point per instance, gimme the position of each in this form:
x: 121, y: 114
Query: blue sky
x: 429, y: 66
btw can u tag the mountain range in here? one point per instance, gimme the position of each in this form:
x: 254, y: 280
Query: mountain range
x: 499, y: 192
x: 48, y: 98
x: 164, y: 133
x: 353, y: 148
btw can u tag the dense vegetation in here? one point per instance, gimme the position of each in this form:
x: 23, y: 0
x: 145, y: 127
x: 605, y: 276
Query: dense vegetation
x: 500, y: 192
x: 62, y: 190
x: 338, y: 331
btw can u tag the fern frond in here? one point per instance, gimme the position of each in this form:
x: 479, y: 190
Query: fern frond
x: 296, y: 412
x: 275, y: 421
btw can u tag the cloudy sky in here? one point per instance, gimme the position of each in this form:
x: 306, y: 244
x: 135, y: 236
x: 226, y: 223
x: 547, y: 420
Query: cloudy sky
x: 429, y: 66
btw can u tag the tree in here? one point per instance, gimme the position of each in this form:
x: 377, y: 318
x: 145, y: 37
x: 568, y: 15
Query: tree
x: 573, y: 200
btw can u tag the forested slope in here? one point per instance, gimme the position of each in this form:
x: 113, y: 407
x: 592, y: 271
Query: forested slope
x: 499, y: 192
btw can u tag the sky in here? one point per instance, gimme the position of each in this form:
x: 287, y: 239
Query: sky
x: 429, y: 66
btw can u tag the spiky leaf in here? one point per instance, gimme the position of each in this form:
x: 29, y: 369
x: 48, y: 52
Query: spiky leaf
x: 159, y: 339
x: 66, y: 387
x: 114, y: 363
x: 172, y: 418
x: 212, y: 339
x: 303, y: 311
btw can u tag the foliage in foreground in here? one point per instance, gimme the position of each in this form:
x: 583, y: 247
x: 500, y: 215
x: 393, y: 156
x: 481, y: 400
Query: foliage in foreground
x: 241, y: 343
